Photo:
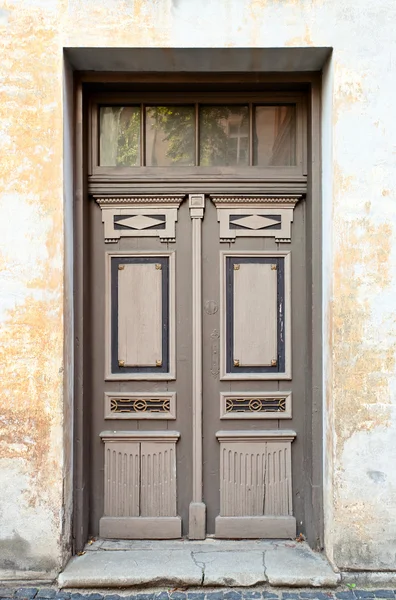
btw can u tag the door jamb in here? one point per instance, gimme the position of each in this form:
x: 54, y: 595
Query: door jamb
x: 313, y: 443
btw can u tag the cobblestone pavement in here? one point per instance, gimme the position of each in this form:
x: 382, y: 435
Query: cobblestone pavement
x: 33, y: 593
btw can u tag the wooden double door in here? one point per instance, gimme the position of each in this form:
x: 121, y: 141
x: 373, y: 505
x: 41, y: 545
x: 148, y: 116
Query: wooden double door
x: 197, y: 320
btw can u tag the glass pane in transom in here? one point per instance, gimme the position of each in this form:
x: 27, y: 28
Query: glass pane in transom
x: 170, y: 136
x: 224, y: 135
x: 275, y: 136
x: 119, y: 139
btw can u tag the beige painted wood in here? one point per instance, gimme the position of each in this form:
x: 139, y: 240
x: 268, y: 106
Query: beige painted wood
x: 139, y: 315
x: 254, y: 211
x: 255, y: 315
x: 153, y: 329
x: 255, y: 527
x: 158, y: 479
x: 255, y: 475
x: 255, y: 376
x: 121, y: 479
x: 140, y: 528
x: 251, y: 397
x: 142, y: 399
x: 197, y: 509
x: 140, y: 482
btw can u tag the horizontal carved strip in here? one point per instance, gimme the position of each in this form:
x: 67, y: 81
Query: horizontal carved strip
x: 140, y: 406
x: 265, y: 405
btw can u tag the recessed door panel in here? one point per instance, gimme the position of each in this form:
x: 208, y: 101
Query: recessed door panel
x: 255, y: 321
x: 140, y: 315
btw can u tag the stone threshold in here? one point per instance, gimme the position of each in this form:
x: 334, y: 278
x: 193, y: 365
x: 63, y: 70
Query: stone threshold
x: 198, y: 564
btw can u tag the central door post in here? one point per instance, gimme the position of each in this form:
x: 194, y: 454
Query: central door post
x: 197, y: 509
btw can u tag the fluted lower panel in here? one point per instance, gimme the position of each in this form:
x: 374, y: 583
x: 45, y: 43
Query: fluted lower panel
x: 255, y: 479
x: 122, y: 479
x: 158, y: 480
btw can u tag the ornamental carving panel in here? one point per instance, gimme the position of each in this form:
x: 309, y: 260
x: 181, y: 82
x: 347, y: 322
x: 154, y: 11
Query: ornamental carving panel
x: 255, y: 216
x: 140, y: 216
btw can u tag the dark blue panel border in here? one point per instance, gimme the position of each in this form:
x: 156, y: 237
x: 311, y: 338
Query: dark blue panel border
x: 273, y: 260
x: 127, y: 260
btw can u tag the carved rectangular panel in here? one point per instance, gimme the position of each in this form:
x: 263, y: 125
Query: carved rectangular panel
x: 140, y: 305
x: 140, y: 315
x: 143, y: 405
x: 255, y: 216
x: 158, y: 479
x: 255, y: 473
x: 255, y: 314
x: 140, y: 485
x: 260, y: 405
x: 140, y: 216
x: 122, y: 480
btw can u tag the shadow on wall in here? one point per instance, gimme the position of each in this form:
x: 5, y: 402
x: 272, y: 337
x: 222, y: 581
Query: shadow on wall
x: 16, y: 555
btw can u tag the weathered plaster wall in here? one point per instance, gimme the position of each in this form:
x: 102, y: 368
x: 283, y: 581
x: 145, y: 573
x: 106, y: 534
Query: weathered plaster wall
x: 359, y: 253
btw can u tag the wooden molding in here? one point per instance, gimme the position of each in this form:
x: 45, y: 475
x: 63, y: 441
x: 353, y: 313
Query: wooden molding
x: 263, y: 435
x: 197, y: 208
x: 267, y: 373
x: 255, y: 216
x: 257, y: 500
x: 137, y: 216
x: 140, y: 436
x: 112, y: 374
x: 143, y: 405
x: 252, y: 405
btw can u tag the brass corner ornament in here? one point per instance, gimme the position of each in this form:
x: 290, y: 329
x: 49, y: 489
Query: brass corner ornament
x: 255, y: 216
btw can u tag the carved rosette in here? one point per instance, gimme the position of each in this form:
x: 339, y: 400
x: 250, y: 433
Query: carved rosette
x: 140, y: 216
x: 255, y: 216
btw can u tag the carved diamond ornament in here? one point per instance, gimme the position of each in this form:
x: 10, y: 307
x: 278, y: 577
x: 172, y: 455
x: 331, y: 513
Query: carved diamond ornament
x: 255, y: 216
x: 140, y: 222
x: 256, y: 222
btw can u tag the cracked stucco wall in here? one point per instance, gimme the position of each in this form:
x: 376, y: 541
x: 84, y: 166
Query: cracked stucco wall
x: 359, y: 251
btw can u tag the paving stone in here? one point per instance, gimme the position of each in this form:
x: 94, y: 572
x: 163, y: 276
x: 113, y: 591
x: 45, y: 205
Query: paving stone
x: 384, y: 594
x: 363, y: 594
x: 232, y: 595
x: 143, y: 597
x: 345, y: 595
x: 6, y: 592
x: 46, y: 593
x: 315, y: 595
x: 270, y: 595
x: 290, y: 596
x: 195, y: 596
x: 177, y: 595
x: 26, y: 592
x: 94, y: 596
x: 161, y: 596
x: 214, y: 596
x: 251, y: 595
x: 62, y: 595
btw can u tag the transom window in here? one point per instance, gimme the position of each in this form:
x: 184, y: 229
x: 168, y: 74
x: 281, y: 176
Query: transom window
x: 198, y: 135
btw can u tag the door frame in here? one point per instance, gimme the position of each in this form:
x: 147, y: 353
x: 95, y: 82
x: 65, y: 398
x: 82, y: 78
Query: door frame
x: 313, y: 440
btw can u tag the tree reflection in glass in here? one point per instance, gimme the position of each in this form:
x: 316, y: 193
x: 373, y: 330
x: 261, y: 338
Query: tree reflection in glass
x: 119, y: 144
x: 170, y: 136
x: 275, y: 136
x: 224, y: 136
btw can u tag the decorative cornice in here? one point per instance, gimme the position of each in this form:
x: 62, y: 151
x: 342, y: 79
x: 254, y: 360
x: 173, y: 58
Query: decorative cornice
x: 221, y: 201
x: 174, y: 200
x: 274, y: 435
x: 142, y: 436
